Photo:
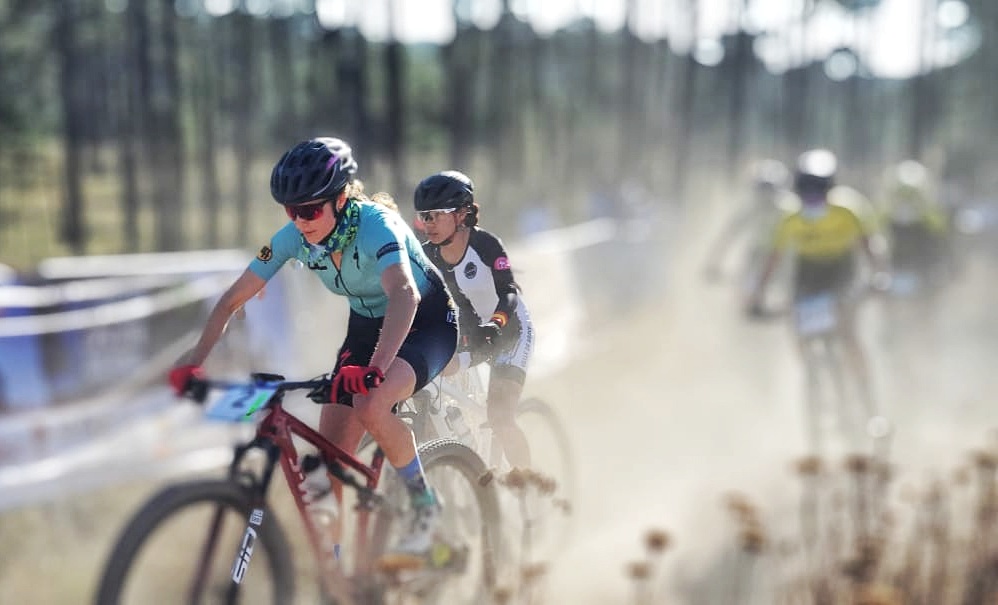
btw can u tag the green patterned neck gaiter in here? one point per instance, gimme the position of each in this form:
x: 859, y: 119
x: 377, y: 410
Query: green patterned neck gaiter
x: 343, y: 233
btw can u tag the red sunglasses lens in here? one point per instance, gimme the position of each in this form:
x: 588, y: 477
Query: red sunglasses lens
x: 307, y: 213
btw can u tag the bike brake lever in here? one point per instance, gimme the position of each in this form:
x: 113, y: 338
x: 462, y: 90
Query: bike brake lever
x: 321, y: 394
x: 372, y: 379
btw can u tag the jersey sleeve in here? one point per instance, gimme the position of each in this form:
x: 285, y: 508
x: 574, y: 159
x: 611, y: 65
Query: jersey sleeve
x: 864, y: 228
x: 283, y: 245
x: 383, y: 239
x: 491, y: 250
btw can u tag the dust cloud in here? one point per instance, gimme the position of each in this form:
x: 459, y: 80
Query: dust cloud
x: 685, y: 403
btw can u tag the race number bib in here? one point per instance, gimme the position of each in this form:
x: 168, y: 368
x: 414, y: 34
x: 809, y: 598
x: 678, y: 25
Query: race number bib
x: 904, y: 283
x: 238, y: 404
x: 815, y: 314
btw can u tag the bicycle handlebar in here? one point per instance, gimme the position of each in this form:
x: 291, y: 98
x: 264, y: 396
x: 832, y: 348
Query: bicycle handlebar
x: 198, y: 388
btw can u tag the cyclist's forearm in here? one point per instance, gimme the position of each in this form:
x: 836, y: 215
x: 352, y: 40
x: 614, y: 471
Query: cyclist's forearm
x: 506, y: 308
x: 232, y: 300
x: 875, y: 248
x: 767, y: 271
x: 398, y: 320
x: 720, y: 244
x: 211, y: 333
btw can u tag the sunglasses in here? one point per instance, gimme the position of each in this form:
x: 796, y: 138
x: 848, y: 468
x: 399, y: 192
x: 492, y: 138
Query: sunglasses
x: 429, y: 216
x: 306, y: 212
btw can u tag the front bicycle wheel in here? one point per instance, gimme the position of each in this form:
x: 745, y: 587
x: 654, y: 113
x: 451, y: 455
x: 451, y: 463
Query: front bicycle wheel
x: 182, y: 544
x: 462, y: 566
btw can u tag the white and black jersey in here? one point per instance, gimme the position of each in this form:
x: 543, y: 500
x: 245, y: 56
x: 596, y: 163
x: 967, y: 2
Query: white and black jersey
x: 483, y: 288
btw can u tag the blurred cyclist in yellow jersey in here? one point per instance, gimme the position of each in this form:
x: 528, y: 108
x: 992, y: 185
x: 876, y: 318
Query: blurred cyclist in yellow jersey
x: 917, y: 228
x: 824, y: 237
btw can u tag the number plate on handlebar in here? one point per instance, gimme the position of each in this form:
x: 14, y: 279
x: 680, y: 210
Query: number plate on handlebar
x: 238, y: 404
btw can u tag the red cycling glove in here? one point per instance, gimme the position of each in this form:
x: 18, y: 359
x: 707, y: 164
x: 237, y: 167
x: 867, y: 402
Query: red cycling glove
x: 181, y: 376
x: 351, y: 379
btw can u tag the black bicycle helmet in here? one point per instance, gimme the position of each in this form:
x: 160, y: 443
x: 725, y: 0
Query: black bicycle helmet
x: 447, y: 189
x: 317, y: 168
x: 815, y: 172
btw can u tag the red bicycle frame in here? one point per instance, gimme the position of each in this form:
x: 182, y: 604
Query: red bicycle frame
x: 275, y: 433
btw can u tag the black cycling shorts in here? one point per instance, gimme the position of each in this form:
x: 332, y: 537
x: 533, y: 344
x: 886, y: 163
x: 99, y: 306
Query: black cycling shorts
x: 428, y: 347
x: 816, y: 277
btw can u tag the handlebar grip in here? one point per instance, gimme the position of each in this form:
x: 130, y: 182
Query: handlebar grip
x: 324, y: 394
x: 372, y: 379
x: 196, y: 389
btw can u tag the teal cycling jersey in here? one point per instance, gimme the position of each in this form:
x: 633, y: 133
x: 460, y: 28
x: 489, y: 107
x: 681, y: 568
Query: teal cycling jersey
x: 383, y: 239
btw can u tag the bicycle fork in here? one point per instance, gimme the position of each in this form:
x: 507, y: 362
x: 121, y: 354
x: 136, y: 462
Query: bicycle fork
x: 246, y: 546
x: 258, y: 489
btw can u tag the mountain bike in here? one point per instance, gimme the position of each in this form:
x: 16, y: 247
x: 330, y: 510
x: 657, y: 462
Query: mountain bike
x: 219, y: 541
x: 455, y: 407
x: 828, y: 382
x: 830, y: 388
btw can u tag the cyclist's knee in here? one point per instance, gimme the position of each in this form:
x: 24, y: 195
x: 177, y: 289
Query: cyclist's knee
x: 372, y: 410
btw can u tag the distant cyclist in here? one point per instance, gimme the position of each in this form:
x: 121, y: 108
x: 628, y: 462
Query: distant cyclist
x: 769, y: 199
x: 493, y: 318
x: 401, y: 330
x: 917, y: 225
x: 823, y: 238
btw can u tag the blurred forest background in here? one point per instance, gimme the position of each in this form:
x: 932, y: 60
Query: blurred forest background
x: 141, y: 125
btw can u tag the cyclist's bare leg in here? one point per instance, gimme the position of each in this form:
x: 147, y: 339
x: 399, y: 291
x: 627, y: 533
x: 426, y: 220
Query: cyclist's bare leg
x: 812, y: 394
x: 345, y: 426
x: 340, y: 425
x: 504, y: 394
x: 374, y: 413
x: 856, y: 357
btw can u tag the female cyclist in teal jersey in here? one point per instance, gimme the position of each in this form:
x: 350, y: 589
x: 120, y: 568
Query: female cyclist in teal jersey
x: 402, y: 327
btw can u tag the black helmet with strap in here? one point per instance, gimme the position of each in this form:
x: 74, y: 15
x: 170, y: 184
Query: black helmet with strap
x: 444, y: 190
x: 317, y: 168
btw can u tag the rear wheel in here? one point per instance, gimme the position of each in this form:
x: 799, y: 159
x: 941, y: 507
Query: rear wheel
x: 181, y: 546
x: 549, y: 511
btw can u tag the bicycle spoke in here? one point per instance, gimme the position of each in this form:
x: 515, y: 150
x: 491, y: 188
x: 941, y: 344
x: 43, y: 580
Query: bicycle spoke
x: 207, y: 555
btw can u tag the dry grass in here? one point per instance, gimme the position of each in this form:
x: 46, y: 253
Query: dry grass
x: 858, y: 539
